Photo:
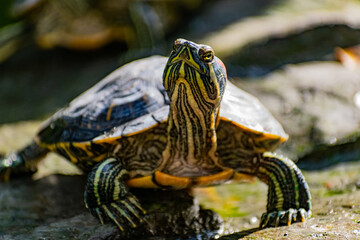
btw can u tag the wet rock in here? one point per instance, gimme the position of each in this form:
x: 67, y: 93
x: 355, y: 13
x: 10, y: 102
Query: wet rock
x: 53, y: 208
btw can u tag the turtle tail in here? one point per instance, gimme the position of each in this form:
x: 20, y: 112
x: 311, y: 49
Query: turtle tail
x: 22, y: 162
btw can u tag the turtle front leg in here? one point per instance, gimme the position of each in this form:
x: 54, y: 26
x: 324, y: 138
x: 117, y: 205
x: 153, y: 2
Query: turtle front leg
x: 108, y: 198
x: 289, y: 198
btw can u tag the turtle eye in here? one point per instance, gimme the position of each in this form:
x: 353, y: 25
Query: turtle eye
x: 206, y: 54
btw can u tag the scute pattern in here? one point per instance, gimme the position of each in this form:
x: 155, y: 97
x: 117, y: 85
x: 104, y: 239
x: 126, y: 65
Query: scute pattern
x: 126, y: 94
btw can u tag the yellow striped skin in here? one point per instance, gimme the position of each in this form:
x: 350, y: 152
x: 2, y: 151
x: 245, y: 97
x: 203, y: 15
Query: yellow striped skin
x: 107, y: 197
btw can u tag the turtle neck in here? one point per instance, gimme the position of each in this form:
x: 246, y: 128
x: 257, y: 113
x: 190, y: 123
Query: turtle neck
x: 191, y: 130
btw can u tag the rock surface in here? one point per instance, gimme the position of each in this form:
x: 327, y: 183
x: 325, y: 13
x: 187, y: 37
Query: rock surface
x: 53, y: 208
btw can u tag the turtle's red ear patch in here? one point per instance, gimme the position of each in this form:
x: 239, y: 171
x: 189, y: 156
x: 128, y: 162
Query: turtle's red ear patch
x: 221, y: 64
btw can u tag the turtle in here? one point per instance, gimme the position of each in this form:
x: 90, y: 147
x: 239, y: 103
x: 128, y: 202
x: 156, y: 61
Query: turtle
x: 168, y: 123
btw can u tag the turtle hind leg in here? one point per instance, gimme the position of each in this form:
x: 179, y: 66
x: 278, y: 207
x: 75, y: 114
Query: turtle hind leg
x: 21, y: 163
x: 289, y: 198
x: 108, y: 198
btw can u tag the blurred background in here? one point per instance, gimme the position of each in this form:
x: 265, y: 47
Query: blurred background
x: 300, y: 58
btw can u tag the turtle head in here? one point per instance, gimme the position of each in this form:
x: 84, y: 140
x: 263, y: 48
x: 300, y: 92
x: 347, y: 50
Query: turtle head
x: 193, y: 73
x: 194, y: 79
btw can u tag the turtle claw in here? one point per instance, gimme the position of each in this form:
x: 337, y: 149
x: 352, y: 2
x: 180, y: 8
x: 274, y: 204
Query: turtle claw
x: 9, y: 165
x: 284, y: 217
x: 122, y: 212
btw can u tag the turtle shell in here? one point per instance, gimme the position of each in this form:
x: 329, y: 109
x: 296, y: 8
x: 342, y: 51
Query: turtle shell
x: 128, y: 93
x: 132, y: 99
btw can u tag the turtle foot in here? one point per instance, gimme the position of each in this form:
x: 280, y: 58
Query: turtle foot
x: 284, y: 217
x: 122, y: 212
